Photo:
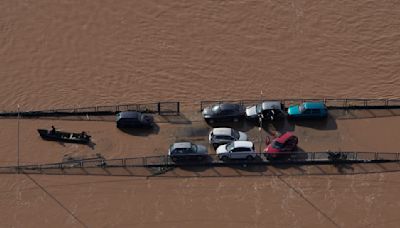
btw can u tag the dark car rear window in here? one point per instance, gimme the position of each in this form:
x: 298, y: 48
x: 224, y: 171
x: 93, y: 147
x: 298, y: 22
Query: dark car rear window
x: 230, y: 107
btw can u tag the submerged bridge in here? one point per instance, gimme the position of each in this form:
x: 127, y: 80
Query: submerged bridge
x: 303, y: 163
x: 171, y: 108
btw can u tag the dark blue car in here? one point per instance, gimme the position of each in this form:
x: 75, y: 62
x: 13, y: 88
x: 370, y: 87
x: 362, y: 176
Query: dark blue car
x: 309, y: 110
x: 131, y: 119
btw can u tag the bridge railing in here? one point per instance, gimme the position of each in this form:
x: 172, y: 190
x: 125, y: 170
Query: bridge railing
x: 333, y: 103
x: 263, y: 158
x: 161, y: 108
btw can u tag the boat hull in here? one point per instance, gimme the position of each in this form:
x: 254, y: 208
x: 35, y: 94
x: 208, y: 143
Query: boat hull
x: 63, y: 136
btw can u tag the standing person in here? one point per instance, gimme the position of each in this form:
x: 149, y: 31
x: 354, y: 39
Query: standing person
x: 53, y: 130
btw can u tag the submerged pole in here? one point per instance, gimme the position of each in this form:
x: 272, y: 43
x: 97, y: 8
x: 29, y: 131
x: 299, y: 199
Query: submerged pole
x: 18, y: 140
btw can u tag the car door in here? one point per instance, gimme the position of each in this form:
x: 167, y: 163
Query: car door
x: 307, y: 113
x: 241, y: 152
x: 316, y: 112
x: 226, y: 114
x: 236, y: 153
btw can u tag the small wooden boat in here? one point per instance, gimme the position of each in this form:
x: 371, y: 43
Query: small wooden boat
x: 54, y: 135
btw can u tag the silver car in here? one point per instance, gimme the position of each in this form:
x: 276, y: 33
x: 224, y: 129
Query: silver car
x: 270, y: 110
x: 224, y: 135
x: 237, y: 150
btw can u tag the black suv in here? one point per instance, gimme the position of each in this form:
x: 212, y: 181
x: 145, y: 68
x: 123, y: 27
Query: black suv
x: 224, y: 112
x: 131, y: 119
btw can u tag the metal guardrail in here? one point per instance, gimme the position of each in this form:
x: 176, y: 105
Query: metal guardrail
x: 214, y: 160
x: 161, y: 108
x: 331, y: 103
x: 173, y: 107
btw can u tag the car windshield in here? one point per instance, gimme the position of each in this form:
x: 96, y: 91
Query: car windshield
x: 301, y: 108
x: 277, y: 145
x: 258, y: 108
x: 230, y: 147
x: 235, y: 134
x: 215, y: 109
x: 194, y: 148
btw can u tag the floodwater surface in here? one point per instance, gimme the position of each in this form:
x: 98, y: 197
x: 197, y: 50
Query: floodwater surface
x: 56, y: 54
x: 81, y: 53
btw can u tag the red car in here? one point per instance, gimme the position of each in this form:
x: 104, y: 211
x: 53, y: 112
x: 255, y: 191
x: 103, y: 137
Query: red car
x: 281, y: 146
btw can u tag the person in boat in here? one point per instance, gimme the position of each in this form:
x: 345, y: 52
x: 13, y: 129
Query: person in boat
x: 53, y: 130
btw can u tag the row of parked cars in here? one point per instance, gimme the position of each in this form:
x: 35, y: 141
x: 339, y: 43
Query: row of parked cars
x: 228, y: 142
x: 231, y: 144
x: 270, y: 110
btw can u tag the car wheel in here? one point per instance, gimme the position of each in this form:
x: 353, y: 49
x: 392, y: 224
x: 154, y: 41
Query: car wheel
x: 249, y: 158
x: 224, y: 158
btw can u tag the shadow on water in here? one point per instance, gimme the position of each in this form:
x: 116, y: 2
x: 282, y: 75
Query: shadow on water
x: 328, y: 123
x: 242, y: 125
x: 363, y: 113
x: 193, y: 131
x: 175, y: 119
x: 279, y: 125
x: 343, y: 168
x: 91, y: 144
x: 155, y: 129
x: 250, y: 168
x: 286, y: 125
x: 226, y: 170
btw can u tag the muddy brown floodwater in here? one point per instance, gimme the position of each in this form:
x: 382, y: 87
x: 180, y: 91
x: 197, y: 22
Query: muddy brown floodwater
x: 56, y: 54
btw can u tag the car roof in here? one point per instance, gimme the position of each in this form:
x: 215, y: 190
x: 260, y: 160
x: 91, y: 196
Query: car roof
x: 319, y: 105
x: 181, y: 145
x: 222, y: 131
x: 129, y: 114
x: 284, y: 137
x: 243, y: 144
x: 228, y: 106
x: 271, y: 105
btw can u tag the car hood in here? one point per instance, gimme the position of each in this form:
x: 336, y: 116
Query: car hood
x: 221, y: 149
x: 294, y: 110
x: 242, y: 136
x: 201, y: 149
x: 251, y: 111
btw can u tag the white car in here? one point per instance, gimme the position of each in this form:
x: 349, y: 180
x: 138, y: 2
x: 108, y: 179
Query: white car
x: 237, y: 150
x: 223, y: 135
